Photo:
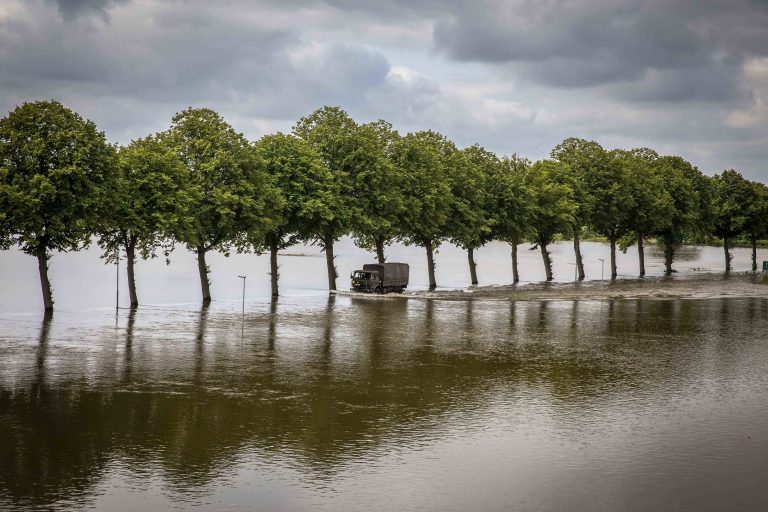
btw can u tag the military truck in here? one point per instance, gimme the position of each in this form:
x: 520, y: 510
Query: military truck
x: 380, y: 278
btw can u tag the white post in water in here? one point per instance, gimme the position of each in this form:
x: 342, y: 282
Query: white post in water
x: 602, y: 269
x: 117, y: 280
x: 243, y: 278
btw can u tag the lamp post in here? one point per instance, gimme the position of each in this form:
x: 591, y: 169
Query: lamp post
x: 602, y: 269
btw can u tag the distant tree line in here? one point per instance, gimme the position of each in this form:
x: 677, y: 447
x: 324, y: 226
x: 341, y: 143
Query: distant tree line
x: 202, y: 184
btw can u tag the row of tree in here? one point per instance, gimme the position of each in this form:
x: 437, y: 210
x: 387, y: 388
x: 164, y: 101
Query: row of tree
x: 202, y: 184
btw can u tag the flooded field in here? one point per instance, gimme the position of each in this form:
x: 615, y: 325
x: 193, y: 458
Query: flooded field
x: 602, y: 397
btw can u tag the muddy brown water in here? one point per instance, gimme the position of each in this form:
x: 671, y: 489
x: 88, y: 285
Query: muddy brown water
x: 636, y: 395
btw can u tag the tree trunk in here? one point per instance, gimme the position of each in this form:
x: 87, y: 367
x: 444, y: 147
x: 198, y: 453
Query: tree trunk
x: 380, y: 250
x: 577, y: 252
x: 641, y: 254
x: 669, y: 254
x: 547, y: 261
x: 130, y: 256
x: 273, y: 273
x: 515, y: 274
x: 472, y: 265
x: 727, y: 251
x: 613, y: 259
x: 203, y: 269
x: 430, y: 264
x: 42, y: 266
x: 754, y: 253
x: 328, y: 246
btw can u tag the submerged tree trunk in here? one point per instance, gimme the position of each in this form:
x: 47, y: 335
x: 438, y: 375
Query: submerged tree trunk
x: 202, y: 268
x: 754, y: 253
x: 273, y: 273
x: 547, y: 261
x: 669, y: 254
x: 613, y: 259
x: 328, y: 246
x: 641, y: 254
x: 380, y: 250
x: 45, y: 283
x: 727, y: 250
x: 472, y: 265
x: 430, y: 264
x: 577, y: 252
x: 130, y: 256
x: 515, y: 274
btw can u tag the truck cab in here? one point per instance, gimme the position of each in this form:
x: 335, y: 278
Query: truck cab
x: 365, y: 281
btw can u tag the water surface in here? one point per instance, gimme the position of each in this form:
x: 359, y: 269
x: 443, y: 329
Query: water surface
x: 345, y: 403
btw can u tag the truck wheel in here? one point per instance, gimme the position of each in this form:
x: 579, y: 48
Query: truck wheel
x: 379, y: 289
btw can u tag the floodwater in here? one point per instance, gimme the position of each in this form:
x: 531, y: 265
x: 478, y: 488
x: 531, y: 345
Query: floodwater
x: 454, y: 401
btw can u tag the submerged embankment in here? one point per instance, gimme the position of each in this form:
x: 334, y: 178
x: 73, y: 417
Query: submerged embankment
x: 700, y: 286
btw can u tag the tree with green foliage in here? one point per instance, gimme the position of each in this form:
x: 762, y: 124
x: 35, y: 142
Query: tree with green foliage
x: 678, y: 180
x: 471, y: 224
x: 652, y: 207
x: 147, y: 197
x: 554, y: 206
x: 231, y: 197
x: 756, y: 225
x: 52, y: 167
x: 307, y: 188
x: 609, y: 200
x: 421, y: 159
x: 334, y: 135
x: 701, y: 225
x: 731, y: 195
x: 377, y: 188
x: 512, y: 205
x: 580, y: 156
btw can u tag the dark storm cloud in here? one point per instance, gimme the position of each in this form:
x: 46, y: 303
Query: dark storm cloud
x: 580, y: 44
x: 71, y: 9
x: 183, y: 54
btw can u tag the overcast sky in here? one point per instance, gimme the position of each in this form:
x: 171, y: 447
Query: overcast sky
x: 687, y: 77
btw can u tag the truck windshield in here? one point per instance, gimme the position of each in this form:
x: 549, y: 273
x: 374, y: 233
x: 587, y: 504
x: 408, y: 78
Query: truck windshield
x: 359, y: 274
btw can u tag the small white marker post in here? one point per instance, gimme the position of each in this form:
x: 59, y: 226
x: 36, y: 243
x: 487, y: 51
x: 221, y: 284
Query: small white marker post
x: 602, y: 269
x: 242, y: 316
x: 117, y: 283
x: 117, y: 280
x: 243, y: 278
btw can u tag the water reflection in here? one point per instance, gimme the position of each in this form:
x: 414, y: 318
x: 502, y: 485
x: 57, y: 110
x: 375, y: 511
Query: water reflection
x: 42, y: 349
x: 325, y: 386
x: 128, y: 352
x: 272, y: 332
x: 200, y: 345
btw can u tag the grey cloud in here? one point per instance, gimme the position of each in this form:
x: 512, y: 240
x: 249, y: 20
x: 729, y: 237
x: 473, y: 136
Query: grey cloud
x: 496, y: 31
x: 719, y: 83
x: 579, y: 44
x: 410, y: 102
x: 72, y: 9
x: 168, y: 57
x: 184, y: 55
x: 513, y: 75
x: 569, y: 73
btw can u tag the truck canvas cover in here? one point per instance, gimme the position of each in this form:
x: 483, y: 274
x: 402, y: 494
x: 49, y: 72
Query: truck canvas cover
x: 389, y: 272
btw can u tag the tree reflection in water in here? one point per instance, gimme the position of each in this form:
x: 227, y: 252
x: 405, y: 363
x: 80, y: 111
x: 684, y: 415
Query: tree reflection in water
x: 324, y: 384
